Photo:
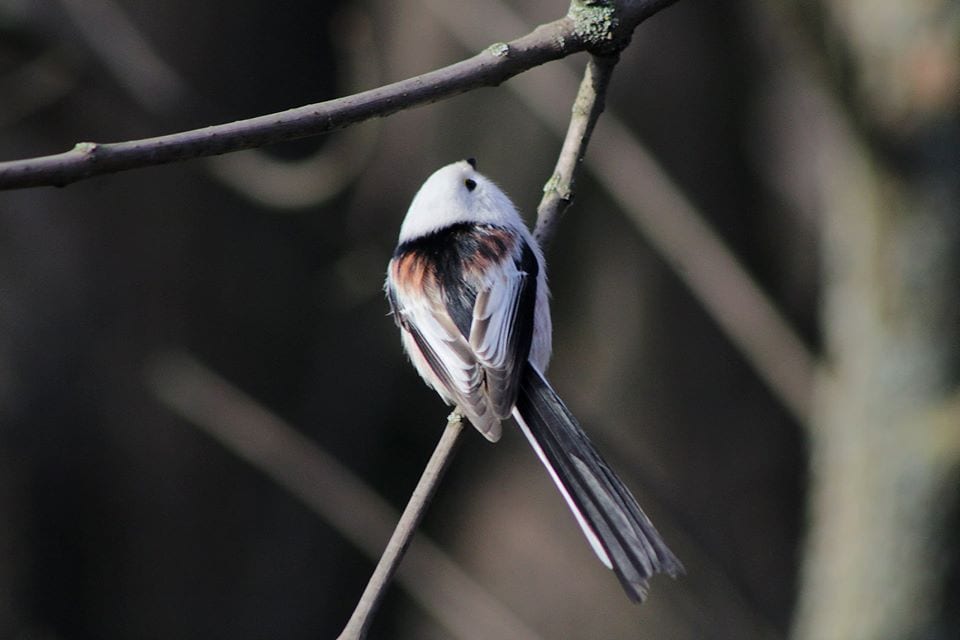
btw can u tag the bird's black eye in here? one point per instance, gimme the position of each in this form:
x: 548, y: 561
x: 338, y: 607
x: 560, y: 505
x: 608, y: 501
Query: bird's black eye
x: 470, y: 184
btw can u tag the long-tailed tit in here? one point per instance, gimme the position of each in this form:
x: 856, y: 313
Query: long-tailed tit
x: 467, y: 286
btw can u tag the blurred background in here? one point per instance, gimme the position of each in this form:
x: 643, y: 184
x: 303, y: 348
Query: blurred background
x: 760, y: 328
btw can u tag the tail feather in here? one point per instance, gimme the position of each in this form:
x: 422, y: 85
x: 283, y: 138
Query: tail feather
x: 617, y: 528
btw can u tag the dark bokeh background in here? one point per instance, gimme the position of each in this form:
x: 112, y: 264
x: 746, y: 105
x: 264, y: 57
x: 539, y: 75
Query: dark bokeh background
x: 121, y: 520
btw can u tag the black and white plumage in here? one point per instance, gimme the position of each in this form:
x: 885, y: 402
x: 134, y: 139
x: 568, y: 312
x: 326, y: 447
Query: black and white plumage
x: 467, y: 287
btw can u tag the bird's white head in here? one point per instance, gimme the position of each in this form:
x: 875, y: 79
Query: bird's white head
x: 458, y: 193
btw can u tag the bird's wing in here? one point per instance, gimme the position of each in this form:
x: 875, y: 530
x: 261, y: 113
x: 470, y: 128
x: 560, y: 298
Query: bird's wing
x: 502, y: 327
x: 443, y: 356
x: 472, y: 330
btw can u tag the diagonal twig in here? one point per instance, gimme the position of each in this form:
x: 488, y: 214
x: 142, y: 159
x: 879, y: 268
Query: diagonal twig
x: 587, y: 107
x: 359, y: 622
x: 330, y: 490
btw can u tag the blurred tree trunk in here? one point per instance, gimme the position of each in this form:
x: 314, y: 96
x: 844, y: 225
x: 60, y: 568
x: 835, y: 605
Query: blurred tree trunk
x: 885, y: 443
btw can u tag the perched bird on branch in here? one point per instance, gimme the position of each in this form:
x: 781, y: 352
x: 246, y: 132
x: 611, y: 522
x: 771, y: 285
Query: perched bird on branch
x: 467, y: 287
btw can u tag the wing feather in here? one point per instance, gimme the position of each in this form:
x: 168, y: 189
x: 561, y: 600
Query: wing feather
x: 502, y: 328
x: 476, y: 367
x: 452, y: 364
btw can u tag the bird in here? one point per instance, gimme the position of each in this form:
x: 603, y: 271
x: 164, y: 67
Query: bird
x: 467, y: 287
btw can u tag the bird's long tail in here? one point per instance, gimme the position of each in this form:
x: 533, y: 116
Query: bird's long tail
x: 617, y: 528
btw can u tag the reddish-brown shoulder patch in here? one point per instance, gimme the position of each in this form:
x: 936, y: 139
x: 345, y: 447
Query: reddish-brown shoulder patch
x: 412, y: 274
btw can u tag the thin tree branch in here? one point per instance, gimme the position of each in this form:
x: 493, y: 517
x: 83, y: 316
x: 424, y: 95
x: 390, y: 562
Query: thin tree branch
x: 359, y: 622
x: 558, y: 193
x: 602, y: 26
x: 490, y: 67
x: 431, y: 578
